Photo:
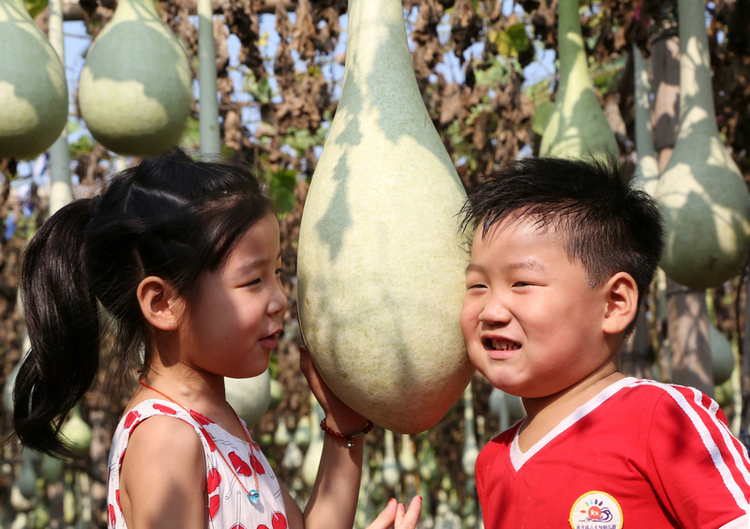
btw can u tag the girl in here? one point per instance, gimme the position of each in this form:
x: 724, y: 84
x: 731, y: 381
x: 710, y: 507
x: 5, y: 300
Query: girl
x: 184, y: 256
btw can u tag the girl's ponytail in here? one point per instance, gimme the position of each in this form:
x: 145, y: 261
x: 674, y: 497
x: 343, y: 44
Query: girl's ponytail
x: 63, y: 323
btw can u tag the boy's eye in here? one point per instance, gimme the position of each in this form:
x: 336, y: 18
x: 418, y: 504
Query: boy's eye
x: 478, y: 285
x: 278, y: 271
x: 254, y: 282
x: 521, y: 284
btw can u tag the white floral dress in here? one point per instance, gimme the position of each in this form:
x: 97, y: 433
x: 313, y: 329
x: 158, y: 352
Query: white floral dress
x: 228, y: 505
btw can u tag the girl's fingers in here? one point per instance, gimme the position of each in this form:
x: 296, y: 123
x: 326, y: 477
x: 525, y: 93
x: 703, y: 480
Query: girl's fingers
x: 400, y: 512
x: 386, y: 518
x: 408, y: 519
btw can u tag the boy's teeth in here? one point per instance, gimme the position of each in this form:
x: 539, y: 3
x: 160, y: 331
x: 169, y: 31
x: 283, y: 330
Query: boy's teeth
x: 503, y: 345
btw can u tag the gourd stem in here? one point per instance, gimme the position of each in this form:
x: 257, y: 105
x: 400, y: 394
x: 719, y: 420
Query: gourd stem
x: 573, y: 63
x: 209, y: 106
x: 644, y: 139
x: 61, y: 188
x: 697, y: 113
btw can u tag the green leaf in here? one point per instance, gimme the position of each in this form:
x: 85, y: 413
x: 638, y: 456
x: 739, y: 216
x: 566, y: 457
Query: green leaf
x: 518, y: 37
x: 541, y: 117
x: 84, y: 145
x: 191, y: 138
x: 503, y: 43
x: 281, y: 186
x: 35, y: 7
x: 261, y: 91
x: 498, y: 73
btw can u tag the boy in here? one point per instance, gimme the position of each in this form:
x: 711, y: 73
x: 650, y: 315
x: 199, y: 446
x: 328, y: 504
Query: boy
x: 563, y: 251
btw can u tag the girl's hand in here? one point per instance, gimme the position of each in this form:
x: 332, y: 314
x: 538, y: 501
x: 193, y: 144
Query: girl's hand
x: 339, y: 416
x: 395, y: 515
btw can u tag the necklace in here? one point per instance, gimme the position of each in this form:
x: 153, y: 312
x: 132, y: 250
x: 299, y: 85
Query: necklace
x: 253, y: 495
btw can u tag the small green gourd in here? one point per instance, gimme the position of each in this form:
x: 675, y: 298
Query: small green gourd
x: 391, y: 474
x: 406, y: 459
x: 577, y: 125
x: 722, y: 357
x: 76, y: 434
x: 315, y: 451
x: 135, y: 87
x: 26, y: 481
x: 303, y: 433
x: 51, y: 468
x: 380, y: 256
x: 471, y: 451
x: 281, y: 436
x: 33, y: 88
x: 277, y: 393
x: 428, y: 467
x: 702, y: 194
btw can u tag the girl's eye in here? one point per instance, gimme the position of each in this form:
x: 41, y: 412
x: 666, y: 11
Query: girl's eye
x: 278, y: 271
x: 254, y: 282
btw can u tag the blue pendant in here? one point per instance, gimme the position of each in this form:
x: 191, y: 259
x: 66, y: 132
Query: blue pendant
x: 254, y: 496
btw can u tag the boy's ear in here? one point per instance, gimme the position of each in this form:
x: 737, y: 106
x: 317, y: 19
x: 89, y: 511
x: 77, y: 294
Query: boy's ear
x: 621, y: 293
x: 159, y: 303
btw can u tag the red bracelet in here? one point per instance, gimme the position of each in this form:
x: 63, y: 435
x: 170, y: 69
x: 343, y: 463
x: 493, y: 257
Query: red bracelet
x: 346, y: 437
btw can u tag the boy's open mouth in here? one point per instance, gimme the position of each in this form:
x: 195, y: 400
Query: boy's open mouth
x: 501, y: 345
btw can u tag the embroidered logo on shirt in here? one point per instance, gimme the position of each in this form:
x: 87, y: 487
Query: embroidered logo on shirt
x: 596, y: 510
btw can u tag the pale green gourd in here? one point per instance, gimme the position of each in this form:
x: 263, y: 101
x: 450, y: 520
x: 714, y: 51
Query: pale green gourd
x: 471, y: 451
x: 33, y: 89
x: 406, y: 458
x: 135, y: 88
x: 303, y: 433
x: 292, y: 457
x: 76, y: 434
x: 722, y: 357
x: 428, y: 467
x: 51, y: 468
x: 647, y: 172
x: 381, y: 262
x: 249, y: 397
x: 315, y: 451
x: 702, y: 194
x: 577, y: 125
x: 281, y: 436
x: 26, y: 481
x: 391, y: 473
x: 277, y: 393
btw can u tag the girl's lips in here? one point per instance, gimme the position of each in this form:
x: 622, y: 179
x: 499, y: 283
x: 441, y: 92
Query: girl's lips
x: 270, y: 342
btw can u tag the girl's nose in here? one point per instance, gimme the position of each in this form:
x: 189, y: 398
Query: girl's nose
x: 278, y: 300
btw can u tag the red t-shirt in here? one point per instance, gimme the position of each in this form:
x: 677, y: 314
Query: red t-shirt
x: 639, y: 454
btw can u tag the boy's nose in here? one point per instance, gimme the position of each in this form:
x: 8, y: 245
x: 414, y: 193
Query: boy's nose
x: 495, y: 313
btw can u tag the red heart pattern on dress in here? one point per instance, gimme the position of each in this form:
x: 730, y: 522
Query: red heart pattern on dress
x: 240, y: 466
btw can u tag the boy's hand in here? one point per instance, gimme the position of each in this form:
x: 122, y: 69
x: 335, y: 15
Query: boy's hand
x: 395, y: 515
x: 339, y: 416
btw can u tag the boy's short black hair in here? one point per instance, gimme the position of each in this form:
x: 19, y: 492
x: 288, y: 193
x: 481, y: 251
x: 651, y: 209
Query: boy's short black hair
x: 607, y: 225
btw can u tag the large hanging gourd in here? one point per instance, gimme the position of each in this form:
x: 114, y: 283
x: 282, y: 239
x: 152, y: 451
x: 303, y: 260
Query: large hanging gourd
x: 33, y: 89
x: 703, y: 196
x: 381, y: 263
x: 577, y: 125
x: 135, y: 88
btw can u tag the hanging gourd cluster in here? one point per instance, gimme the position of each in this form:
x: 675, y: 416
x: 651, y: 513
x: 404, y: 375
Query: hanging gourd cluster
x: 134, y: 91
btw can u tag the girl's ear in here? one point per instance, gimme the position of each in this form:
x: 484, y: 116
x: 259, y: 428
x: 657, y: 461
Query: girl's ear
x: 159, y: 303
x: 621, y: 293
